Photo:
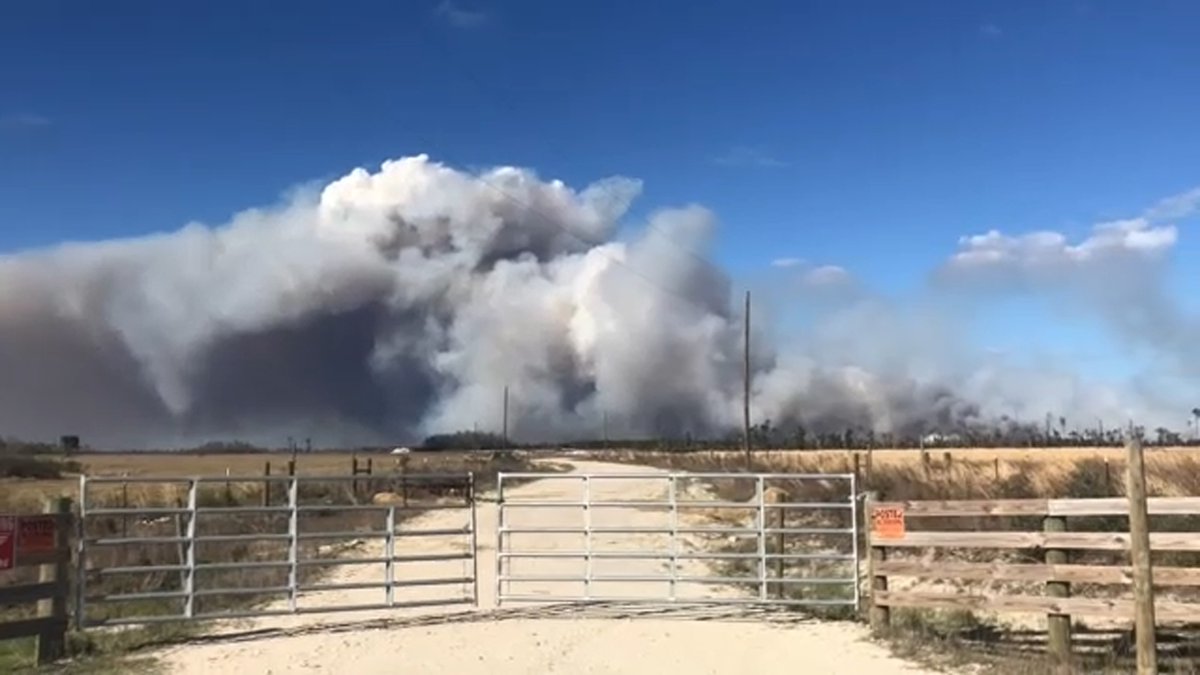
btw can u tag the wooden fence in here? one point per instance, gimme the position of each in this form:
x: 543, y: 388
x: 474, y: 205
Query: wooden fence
x: 895, y: 526
x: 43, y: 540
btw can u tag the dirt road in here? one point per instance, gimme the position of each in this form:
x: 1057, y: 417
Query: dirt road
x: 533, y: 640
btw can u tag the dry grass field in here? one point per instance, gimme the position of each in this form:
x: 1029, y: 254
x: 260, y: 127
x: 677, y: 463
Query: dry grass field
x: 1007, y: 644
x: 983, y: 473
x: 908, y: 473
x: 957, y: 473
x: 27, y: 494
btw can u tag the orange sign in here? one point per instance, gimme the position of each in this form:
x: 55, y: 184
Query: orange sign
x: 887, y: 523
x: 35, y: 534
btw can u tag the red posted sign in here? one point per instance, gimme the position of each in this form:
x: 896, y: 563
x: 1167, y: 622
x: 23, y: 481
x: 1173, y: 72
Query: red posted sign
x: 8, y: 542
x: 35, y: 534
x: 887, y: 523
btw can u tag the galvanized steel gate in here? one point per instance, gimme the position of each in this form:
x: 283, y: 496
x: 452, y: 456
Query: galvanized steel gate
x: 191, y: 548
x: 714, y: 538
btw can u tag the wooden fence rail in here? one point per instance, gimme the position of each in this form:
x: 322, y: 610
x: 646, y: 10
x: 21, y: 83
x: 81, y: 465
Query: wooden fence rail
x: 1051, y: 545
x: 43, y: 540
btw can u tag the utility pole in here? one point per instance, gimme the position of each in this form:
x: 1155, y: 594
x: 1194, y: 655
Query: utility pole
x: 505, y: 434
x: 746, y: 384
x: 605, y: 430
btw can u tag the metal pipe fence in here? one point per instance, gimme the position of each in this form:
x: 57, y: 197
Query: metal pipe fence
x: 207, y: 558
x: 709, y: 538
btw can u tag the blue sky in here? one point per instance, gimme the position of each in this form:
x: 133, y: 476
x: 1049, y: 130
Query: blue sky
x: 871, y: 135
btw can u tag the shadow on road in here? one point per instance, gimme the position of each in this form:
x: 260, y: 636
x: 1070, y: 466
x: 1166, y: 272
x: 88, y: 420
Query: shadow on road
x: 599, y: 610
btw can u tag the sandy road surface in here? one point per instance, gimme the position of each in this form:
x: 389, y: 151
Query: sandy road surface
x: 534, y: 640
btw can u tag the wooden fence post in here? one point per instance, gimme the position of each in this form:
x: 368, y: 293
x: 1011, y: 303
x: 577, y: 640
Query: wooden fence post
x: 881, y: 615
x: 1058, y: 626
x: 52, y: 643
x: 125, y: 506
x: 266, y: 491
x: 404, y: 478
x: 370, y: 472
x: 1139, y: 543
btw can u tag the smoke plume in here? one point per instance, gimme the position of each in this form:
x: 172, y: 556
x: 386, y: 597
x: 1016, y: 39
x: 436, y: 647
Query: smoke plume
x: 395, y: 304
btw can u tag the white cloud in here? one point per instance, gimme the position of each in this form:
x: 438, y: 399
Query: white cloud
x: 827, y: 275
x: 1177, y: 206
x: 787, y: 262
x: 746, y: 156
x: 991, y: 30
x: 461, y: 17
x: 1133, y: 237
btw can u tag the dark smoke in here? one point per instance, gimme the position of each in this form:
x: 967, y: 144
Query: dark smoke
x: 399, y: 304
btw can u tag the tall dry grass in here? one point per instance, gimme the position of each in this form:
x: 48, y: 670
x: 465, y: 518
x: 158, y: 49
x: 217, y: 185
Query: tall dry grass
x: 960, y: 641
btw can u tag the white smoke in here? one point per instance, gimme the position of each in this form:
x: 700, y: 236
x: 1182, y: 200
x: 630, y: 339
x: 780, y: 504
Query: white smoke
x: 400, y: 303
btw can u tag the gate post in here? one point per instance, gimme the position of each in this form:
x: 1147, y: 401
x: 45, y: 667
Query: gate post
x: 193, y: 504
x: 881, y: 615
x: 389, y: 547
x: 1058, y: 626
x: 471, y: 506
x: 81, y: 557
x: 762, y: 539
x: 500, y: 539
x: 52, y: 643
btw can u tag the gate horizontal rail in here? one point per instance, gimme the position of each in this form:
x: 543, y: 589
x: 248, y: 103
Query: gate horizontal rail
x: 758, y: 556
x: 169, y: 563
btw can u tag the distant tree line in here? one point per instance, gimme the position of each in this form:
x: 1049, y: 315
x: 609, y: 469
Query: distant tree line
x: 1052, y: 433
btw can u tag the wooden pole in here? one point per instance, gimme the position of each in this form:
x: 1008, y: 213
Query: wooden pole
x: 52, y: 644
x: 1058, y: 625
x: 266, y: 490
x: 124, y: 507
x: 1139, y: 540
x: 881, y: 615
x: 505, y: 433
x: 746, y: 384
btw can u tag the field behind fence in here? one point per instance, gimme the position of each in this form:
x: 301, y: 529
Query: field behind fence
x: 248, y: 564
x: 994, y: 539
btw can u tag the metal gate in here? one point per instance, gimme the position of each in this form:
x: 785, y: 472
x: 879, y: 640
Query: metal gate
x: 192, y: 548
x: 710, y: 538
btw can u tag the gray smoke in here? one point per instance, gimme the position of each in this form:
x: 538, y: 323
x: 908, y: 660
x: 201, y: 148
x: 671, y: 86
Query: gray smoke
x: 396, y: 304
